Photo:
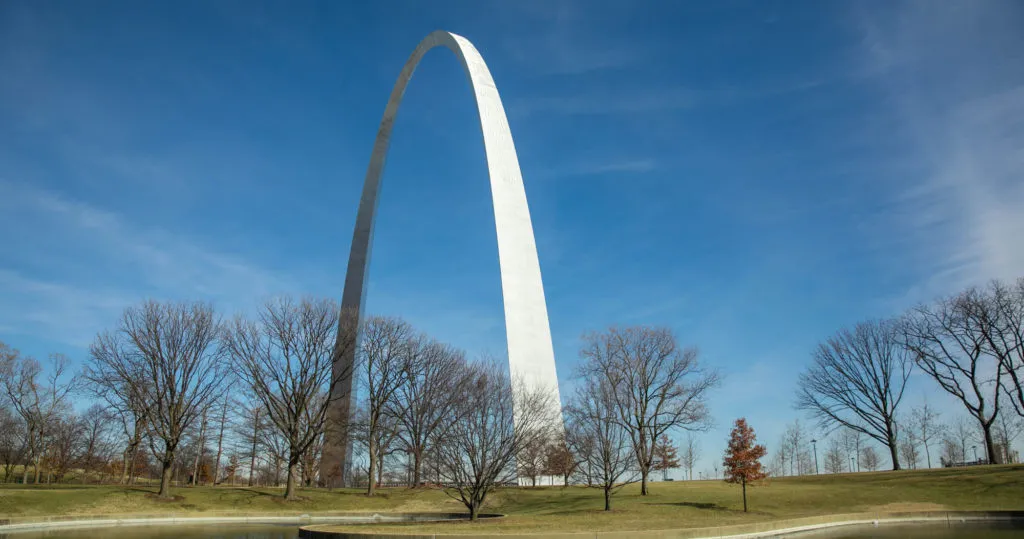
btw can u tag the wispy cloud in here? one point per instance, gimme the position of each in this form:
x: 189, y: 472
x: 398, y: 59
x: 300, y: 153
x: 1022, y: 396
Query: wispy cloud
x: 121, y: 263
x: 594, y: 104
x: 959, y: 106
x: 603, y: 167
x: 568, y: 40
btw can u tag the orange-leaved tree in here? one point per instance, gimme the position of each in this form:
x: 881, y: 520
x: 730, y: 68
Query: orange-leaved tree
x: 743, y: 457
x: 666, y: 456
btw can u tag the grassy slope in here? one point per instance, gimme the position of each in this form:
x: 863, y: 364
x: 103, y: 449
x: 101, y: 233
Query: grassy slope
x: 670, y: 505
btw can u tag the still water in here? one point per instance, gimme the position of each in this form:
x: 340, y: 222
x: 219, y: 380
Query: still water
x: 291, y: 531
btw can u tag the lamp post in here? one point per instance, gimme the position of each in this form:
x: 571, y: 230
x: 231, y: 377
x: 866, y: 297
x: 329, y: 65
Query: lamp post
x: 975, y: 448
x: 814, y: 444
x: 851, y: 463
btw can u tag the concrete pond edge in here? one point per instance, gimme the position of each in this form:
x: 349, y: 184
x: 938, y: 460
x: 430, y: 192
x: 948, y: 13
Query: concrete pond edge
x: 773, y: 528
x: 33, y: 524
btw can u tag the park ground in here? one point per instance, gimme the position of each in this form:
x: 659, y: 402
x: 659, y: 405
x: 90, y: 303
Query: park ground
x: 678, y: 504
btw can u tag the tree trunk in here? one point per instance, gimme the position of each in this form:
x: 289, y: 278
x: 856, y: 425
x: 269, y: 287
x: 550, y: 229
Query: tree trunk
x: 380, y: 471
x: 165, y: 477
x: 220, y: 440
x: 289, y: 491
x: 134, y: 457
x: 890, y: 438
x: 372, y: 475
x: 124, y: 471
x: 607, y: 499
x: 927, y: 455
x: 416, y: 464
x: 894, y: 456
x: 643, y: 482
x: 474, y: 511
x: 199, y: 450
x: 255, y: 436
x: 743, y: 480
x: 990, y: 448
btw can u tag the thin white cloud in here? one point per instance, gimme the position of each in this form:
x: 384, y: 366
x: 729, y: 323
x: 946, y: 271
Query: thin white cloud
x: 122, y: 263
x: 944, y: 70
x: 602, y: 168
x: 605, y: 104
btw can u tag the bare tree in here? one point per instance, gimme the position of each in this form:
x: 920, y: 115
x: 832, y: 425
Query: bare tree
x: 222, y: 425
x: 951, y: 341
x: 285, y: 358
x: 690, y: 454
x: 961, y: 432
x: 1005, y: 337
x: 37, y: 398
x: 64, y: 446
x: 908, y: 452
x: 530, y: 459
x: 478, y: 451
x: 122, y: 402
x: 200, y: 446
x: 857, y: 379
x: 426, y: 397
x: 657, y: 387
x: 1006, y: 430
x: 166, y: 356
x: 851, y: 440
x: 385, y: 352
x: 869, y: 458
x: 925, y: 428
x: 599, y: 439
x: 835, y: 456
x: 96, y: 423
x: 952, y: 452
x: 794, y: 441
x: 12, y: 440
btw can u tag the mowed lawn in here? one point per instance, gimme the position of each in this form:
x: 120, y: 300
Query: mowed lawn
x: 670, y: 505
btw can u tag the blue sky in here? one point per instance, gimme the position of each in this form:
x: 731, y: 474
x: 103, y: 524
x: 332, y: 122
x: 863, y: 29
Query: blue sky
x: 753, y: 175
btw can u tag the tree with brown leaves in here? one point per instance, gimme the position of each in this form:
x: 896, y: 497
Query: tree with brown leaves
x: 666, y: 456
x: 742, y: 462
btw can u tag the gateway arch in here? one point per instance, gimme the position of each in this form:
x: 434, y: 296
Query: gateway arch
x: 530, y: 354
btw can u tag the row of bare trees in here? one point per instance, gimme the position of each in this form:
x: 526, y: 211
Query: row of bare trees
x: 204, y: 399
x: 926, y: 441
x: 183, y: 396
x: 970, y: 344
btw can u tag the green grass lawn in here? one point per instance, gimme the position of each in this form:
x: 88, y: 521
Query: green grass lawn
x: 670, y: 505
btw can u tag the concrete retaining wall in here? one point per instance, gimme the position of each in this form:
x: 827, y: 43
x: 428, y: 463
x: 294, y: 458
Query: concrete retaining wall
x: 738, y: 531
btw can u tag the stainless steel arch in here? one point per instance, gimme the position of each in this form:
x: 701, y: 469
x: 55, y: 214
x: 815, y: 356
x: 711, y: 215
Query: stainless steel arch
x: 530, y: 353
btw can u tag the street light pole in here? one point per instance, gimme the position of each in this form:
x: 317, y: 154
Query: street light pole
x: 975, y: 448
x: 851, y: 463
x: 814, y: 444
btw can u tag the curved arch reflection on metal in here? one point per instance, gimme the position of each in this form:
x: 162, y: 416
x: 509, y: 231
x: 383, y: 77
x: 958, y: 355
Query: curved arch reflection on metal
x: 530, y: 353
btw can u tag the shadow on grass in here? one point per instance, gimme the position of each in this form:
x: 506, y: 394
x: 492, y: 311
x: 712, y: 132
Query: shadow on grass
x: 696, y: 505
